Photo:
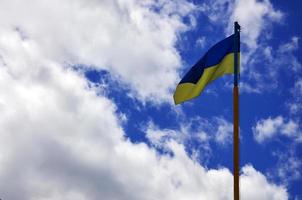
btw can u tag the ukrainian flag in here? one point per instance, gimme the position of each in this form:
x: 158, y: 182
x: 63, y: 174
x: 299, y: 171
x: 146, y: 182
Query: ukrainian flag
x: 219, y: 60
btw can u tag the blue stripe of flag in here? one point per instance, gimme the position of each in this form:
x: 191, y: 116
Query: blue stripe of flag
x: 211, y: 58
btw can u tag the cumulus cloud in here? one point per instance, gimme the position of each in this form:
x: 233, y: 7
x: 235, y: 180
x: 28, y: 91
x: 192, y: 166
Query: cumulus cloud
x: 269, y: 128
x: 217, y: 129
x: 290, y: 46
x: 253, y: 179
x: 288, y: 166
x: 200, y: 42
x: 285, y: 55
x: 195, y: 130
x: 123, y: 37
x: 61, y: 138
x: 198, y: 131
x: 254, y: 17
x: 295, y: 103
x: 224, y: 131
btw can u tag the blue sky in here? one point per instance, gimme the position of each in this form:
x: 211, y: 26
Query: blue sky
x: 86, y: 96
x: 267, y: 103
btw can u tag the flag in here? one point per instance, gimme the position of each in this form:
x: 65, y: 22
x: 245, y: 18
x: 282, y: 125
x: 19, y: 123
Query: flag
x: 219, y: 60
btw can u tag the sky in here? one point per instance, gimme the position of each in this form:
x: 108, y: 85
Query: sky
x: 86, y: 100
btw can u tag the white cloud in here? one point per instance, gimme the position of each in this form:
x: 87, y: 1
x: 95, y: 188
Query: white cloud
x: 269, y: 128
x: 217, y: 129
x: 134, y: 40
x: 60, y: 140
x: 295, y: 103
x: 266, y: 129
x: 255, y: 186
x: 159, y: 137
x: 200, y: 42
x: 285, y: 55
x: 224, y: 131
x: 288, y: 166
x: 247, y: 88
x: 217, y: 10
x: 259, y: 79
x: 290, y: 46
x: 202, y: 132
x: 194, y: 130
x: 298, y: 88
x: 254, y: 17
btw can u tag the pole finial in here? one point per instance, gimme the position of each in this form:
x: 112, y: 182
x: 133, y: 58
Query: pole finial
x: 236, y: 26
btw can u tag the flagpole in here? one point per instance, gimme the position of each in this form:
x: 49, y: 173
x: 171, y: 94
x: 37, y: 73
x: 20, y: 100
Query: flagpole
x: 236, y: 155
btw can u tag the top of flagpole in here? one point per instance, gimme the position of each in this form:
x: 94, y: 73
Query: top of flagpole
x: 236, y: 46
x: 236, y: 27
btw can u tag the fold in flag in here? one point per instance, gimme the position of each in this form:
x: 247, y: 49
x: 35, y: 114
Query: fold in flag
x: 219, y: 60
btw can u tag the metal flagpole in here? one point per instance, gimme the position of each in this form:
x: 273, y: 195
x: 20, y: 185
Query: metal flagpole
x: 236, y: 149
